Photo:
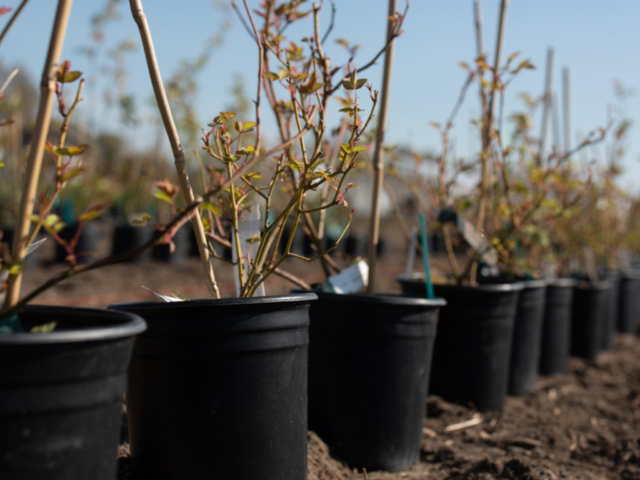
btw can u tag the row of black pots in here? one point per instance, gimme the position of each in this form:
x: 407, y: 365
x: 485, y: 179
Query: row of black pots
x: 494, y: 339
x: 124, y: 238
x: 220, y: 386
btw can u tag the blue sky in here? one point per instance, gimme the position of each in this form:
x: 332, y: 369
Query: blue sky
x: 598, y: 40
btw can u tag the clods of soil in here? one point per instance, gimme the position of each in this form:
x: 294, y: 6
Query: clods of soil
x: 585, y: 425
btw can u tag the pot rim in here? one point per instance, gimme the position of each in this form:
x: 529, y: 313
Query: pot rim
x: 599, y: 285
x: 385, y: 298
x: 215, y: 302
x: 487, y: 287
x: 565, y: 282
x: 132, y: 325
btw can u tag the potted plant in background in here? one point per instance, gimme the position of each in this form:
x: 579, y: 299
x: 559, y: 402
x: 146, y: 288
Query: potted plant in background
x: 474, y: 336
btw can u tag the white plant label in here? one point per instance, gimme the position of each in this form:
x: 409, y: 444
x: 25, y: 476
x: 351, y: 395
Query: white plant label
x: 625, y: 261
x: 164, y: 298
x: 350, y: 280
x: 590, y: 264
x: 411, y: 257
x: 248, y: 229
x: 477, y: 241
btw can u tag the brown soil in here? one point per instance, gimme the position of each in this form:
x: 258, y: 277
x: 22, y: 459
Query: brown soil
x: 585, y: 425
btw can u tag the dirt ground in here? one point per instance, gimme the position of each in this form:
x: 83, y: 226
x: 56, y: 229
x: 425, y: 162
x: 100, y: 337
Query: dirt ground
x: 585, y: 425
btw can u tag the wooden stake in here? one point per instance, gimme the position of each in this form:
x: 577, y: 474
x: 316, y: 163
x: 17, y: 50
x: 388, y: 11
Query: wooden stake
x: 546, y: 107
x: 378, y: 160
x: 566, y: 114
x: 478, y: 23
x: 174, y: 139
x: 555, y: 117
x: 34, y: 162
x: 486, y: 141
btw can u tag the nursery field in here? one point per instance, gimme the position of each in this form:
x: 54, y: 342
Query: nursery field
x: 123, y: 282
x: 584, y: 425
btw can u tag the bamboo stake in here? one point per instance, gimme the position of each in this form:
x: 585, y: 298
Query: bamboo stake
x: 555, y: 118
x: 566, y: 114
x: 174, y: 139
x: 378, y: 161
x: 34, y: 162
x: 546, y: 106
x: 16, y: 148
x: 486, y: 141
x: 478, y: 23
x: 487, y: 129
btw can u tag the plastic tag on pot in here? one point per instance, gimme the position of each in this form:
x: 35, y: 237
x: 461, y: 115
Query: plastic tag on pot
x: 164, y: 298
x: 411, y: 256
x: 249, y: 233
x: 590, y: 264
x: 624, y: 260
x: 477, y: 241
x: 349, y: 280
x: 550, y: 270
x: 34, y: 246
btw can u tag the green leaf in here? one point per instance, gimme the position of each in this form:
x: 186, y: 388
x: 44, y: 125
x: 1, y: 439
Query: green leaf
x: 70, y: 77
x: 164, y: 197
x: 46, y: 328
x: 295, y: 166
x: 16, y: 268
x: 248, y: 126
x: 231, y: 158
x: 346, y: 83
x: 254, y: 239
x: 360, y: 83
x: 90, y: 215
x: 1, y: 164
x: 211, y: 207
x: 248, y: 150
x: 271, y: 76
x: 70, y: 151
x: 74, y: 172
x: 141, y: 219
x: 237, y: 125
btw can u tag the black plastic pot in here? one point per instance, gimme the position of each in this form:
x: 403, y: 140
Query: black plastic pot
x: 473, y: 343
x: 181, y: 243
x: 556, y: 329
x: 127, y: 237
x: 610, y: 325
x: 629, y: 303
x: 527, y: 333
x: 218, y: 388
x: 87, y: 243
x: 369, y: 363
x: 591, y: 308
x: 61, y: 394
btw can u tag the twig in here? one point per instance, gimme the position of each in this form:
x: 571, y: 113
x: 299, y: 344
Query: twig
x: 6, y: 83
x: 34, y: 162
x: 13, y: 19
x: 566, y: 109
x: 546, y: 110
x: 378, y: 161
x: 474, y: 421
x: 176, y: 147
